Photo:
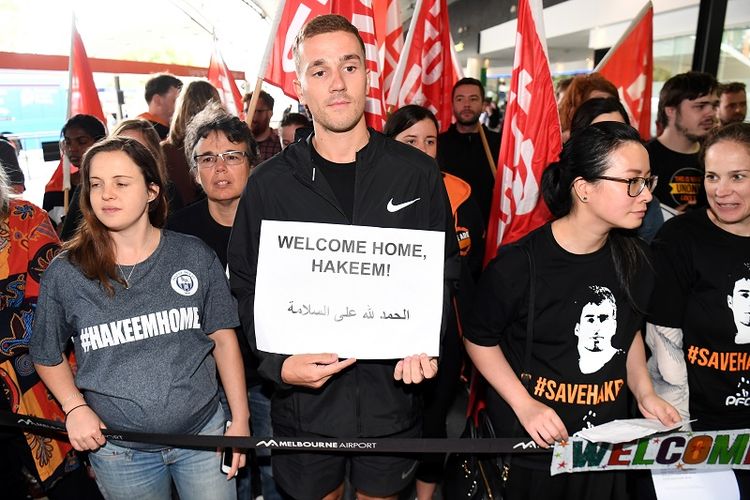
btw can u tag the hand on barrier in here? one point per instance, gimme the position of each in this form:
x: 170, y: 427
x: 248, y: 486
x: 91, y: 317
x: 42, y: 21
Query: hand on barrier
x: 84, y: 428
x: 541, y: 422
x: 237, y: 429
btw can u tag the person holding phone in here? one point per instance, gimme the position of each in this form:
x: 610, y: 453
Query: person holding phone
x: 151, y: 319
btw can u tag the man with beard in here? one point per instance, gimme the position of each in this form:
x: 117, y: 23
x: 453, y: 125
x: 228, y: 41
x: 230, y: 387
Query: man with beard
x: 345, y: 174
x: 460, y: 151
x: 687, y: 111
x: 260, y: 125
x: 732, y: 103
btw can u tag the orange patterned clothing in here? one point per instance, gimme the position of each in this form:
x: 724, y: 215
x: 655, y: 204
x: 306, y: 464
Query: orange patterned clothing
x: 27, y: 244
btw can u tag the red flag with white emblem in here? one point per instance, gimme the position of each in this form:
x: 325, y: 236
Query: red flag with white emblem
x: 221, y: 78
x: 83, y: 98
x: 428, y: 67
x: 390, y: 34
x: 361, y: 15
x: 281, y: 70
x: 294, y: 16
x: 629, y: 66
x: 531, y: 136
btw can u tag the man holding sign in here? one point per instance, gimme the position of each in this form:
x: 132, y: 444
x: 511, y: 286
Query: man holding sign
x: 348, y: 175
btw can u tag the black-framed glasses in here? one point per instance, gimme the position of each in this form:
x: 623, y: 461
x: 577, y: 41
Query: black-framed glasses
x: 230, y: 158
x: 635, y: 184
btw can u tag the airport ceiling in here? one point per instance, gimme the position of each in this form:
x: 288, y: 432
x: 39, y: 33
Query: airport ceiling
x: 165, y: 31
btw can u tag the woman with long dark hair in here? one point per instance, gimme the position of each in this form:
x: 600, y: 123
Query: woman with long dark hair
x: 592, y: 285
x: 151, y: 319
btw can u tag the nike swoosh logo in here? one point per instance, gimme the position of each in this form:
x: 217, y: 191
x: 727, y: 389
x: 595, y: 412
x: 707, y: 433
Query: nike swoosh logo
x: 406, y: 474
x: 392, y: 207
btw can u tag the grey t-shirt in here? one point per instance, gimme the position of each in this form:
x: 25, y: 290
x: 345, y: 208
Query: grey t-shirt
x: 144, y: 355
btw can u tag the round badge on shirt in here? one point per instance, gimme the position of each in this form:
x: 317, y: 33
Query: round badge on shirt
x: 184, y: 282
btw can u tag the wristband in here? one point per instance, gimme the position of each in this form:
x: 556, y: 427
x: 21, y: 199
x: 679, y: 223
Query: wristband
x: 74, y: 408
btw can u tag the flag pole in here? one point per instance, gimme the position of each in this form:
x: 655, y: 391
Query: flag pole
x: 66, y: 160
x: 487, y: 151
x: 264, y: 62
x: 398, y: 73
x: 637, y: 19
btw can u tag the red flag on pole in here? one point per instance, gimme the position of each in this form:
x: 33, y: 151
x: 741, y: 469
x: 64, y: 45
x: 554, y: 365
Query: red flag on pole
x: 531, y: 136
x: 296, y: 13
x: 362, y: 17
x: 83, y: 97
x: 630, y: 66
x: 221, y: 78
x: 427, y: 68
x: 390, y: 37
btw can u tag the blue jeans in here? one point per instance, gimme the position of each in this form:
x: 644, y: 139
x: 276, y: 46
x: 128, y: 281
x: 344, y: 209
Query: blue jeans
x: 260, y: 422
x: 129, y: 474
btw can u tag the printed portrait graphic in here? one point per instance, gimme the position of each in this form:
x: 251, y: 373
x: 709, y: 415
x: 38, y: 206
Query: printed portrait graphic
x: 595, y: 328
x: 738, y: 300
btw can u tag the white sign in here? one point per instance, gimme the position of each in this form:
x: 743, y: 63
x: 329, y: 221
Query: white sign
x: 357, y: 291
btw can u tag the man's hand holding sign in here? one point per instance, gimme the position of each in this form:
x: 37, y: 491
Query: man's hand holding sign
x: 352, y: 291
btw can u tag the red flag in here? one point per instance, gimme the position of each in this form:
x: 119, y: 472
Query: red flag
x: 83, y: 97
x: 390, y: 37
x: 427, y: 68
x: 294, y: 16
x: 531, y: 136
x: 630, y: 66
x: 296, y: 13
x: 362, y: 17
x: 221, y: 78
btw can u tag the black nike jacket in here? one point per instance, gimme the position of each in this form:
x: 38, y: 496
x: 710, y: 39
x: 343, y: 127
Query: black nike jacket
x: 363, y: 400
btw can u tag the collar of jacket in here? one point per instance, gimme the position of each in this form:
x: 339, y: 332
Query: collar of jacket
x: 300, y: 158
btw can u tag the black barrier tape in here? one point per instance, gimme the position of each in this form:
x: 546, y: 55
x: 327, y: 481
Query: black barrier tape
x: 373, y: 445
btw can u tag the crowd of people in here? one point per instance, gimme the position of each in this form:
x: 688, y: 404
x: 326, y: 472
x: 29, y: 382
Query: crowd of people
x: 135, y: 310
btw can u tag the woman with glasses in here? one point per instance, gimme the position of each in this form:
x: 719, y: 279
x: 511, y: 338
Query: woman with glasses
x: 151, y: 319
x: 610, y: 109
x: 591, y: 288
x: 699, y: 321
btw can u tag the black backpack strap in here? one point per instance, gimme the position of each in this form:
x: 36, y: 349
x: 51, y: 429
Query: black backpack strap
x: 526, y: 370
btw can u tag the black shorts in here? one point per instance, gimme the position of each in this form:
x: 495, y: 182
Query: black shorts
x: 311, y: 476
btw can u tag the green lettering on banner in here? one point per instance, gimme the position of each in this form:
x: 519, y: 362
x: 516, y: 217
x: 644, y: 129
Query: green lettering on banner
x: 589, y: 456
x: 726, y: 454
x: 640, y: 453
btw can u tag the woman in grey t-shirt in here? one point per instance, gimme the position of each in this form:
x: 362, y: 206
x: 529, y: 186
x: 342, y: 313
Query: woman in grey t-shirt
x: 151, y: 319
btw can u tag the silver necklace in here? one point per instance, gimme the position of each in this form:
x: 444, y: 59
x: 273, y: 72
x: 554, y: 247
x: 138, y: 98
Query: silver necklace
x: 130, y: 274
x: 127, y: 278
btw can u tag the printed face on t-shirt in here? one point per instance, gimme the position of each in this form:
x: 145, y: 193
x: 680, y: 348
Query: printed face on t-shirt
x: 739, y: 303
x: 595, y: 329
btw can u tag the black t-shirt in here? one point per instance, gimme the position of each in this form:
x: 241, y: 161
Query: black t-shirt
x: 195, y: 219
x: 341, y: 177
x: 703, y: 287
x: 680, y: 176
x: 162, y: 130
x: 463, y: 156
x: 583, y: 328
